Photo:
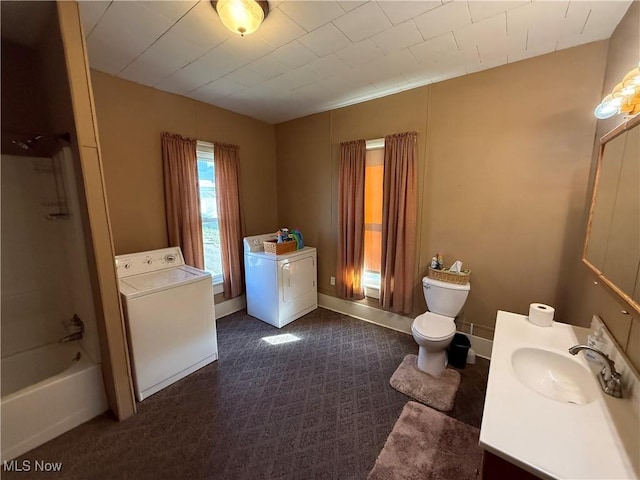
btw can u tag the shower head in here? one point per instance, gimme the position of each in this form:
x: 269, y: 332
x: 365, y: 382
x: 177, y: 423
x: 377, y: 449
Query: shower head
x: 28, y: 144
x: 31, y: 143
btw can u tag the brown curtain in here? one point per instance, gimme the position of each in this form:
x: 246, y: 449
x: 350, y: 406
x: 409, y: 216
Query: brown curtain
x: 227, y: 165
x: 351, y: 220
x: 399, y: 221
x: 182, y: 197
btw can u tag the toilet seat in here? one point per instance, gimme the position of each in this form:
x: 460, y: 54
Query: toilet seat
x: 432, y: 326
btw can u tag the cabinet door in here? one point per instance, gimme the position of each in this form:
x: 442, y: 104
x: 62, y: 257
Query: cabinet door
x: 298, y: 277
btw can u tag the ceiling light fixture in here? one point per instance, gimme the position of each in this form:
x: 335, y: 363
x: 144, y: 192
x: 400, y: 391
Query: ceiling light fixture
x: 241, y: 16
x: 624, y: 98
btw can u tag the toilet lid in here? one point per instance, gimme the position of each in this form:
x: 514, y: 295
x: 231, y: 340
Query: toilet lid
x: 434, y: 326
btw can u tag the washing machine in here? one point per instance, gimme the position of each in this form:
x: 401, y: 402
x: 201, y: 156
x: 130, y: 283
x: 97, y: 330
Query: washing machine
x: 279, y: 288
x: 170, y: 317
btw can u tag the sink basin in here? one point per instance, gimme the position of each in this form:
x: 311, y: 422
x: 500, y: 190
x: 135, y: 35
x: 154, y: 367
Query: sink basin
x: 554, y: 376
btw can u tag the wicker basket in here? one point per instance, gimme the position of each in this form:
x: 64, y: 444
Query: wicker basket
x: 446, y: 276
x: 280, y: 248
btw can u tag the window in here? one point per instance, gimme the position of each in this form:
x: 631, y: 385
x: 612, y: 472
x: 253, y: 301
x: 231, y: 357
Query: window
x: 373, y: 183
x: 209, y: 212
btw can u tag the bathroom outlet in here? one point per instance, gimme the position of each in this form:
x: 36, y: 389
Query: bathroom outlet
x: 333, y: 280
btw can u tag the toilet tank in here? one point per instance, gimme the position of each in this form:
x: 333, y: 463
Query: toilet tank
x: 445, y: 298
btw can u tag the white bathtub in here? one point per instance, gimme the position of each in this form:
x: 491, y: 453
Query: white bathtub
x: 47, y: 391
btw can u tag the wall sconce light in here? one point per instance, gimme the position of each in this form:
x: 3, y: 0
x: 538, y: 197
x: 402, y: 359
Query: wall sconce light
x: 624, y: 98
x: 241, y: 16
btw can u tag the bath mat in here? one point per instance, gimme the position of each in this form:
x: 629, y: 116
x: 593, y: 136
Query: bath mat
x: 437, y: 392
x: 426, y: 444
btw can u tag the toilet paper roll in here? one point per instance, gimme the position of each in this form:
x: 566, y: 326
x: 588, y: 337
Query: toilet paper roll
x: 541, y: 314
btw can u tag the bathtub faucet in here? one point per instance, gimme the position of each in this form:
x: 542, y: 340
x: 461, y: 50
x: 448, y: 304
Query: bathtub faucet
x: 77, y: 326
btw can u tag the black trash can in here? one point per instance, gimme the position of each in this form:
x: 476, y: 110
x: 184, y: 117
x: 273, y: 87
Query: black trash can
x: 458, y: 350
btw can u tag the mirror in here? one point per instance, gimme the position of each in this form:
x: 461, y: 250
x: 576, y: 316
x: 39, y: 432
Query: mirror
x: 612, y: 246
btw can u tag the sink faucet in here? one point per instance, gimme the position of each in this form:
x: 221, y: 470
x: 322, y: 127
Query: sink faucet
x: 608, y: 377
x: 78, y: 330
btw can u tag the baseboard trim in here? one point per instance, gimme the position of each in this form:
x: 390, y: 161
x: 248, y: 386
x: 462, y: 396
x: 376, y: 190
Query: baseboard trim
x: 230, y: 306
x: 399, y: 323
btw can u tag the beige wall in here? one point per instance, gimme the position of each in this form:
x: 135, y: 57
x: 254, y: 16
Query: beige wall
x: 504, y: 158
x: 585, y: 298
x: 131, y: 118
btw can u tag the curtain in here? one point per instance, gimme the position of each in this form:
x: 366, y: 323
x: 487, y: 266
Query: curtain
x: 399, y: 216
x: 227, y: 165
x: 351, y: 220
x: 182, y: 197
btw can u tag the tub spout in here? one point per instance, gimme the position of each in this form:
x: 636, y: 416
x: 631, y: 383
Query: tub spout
x: 71, y: 338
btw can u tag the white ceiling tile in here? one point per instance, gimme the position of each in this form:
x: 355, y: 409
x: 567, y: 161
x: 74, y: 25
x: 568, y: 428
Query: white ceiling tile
x: 180, y: 82
x: 489, y: 36
x: 516, y: 41
x: 443, y: 19
x: 324, y: 40
x: 388, y: 67
x: 579, y: 27
x: 363, y: 22
x: 359, y: 53
x: 604, y: 17
x: 104, y: 56
x: 435, y: 48
x: 294, y: 54
x: 278, y: 29
x: 282, y: 72
x: 398, y: 37
x: 246, y: 76
x: 311, y: 14
x: 125, y: 31
x: 455, y: 62
x: 172, y: 48
x: 90, y: 13
x: 170, y: 9
x: 349, y: 5
x: 328, y: 66
x: 481, y: 9
x: 399, y: 11
x: 458, y: 71
x: 201, y: 25
x: 246, y: 49
x: 268, y: 66
x: 576, y: 17
x: 217, y: 89
x: 540, y: 23
x: 147, y: 72
x: 421, y: 75
x: 516, y: 55
x: 487, y: 62
x: 296, y: 78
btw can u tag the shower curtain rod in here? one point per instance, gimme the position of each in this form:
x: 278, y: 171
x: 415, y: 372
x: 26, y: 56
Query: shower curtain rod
x: 62, y: 136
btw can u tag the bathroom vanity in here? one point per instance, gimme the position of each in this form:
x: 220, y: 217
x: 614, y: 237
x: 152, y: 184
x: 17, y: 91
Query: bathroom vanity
x: 545, y: 413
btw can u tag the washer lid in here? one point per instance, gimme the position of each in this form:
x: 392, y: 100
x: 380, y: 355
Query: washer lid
x: 433, y: 326
x: 155, y: 281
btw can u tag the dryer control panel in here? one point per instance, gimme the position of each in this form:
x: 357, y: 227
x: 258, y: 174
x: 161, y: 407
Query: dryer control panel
x: 147, y: 262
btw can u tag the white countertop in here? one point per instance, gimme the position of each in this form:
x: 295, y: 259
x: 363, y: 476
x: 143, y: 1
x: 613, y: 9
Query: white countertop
x: 551, y: 439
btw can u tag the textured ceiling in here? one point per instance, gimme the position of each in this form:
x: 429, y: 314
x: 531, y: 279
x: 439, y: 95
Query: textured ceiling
x: 313, y: 56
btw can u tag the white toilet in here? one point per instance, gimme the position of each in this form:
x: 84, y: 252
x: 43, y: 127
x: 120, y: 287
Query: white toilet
x: 434, y: 330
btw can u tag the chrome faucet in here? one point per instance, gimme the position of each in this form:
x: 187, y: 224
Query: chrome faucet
x: 78, y: 330
x: 608, y: 377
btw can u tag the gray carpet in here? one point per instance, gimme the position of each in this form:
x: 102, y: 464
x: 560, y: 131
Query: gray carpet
x: 437, y: 392
x: 428, y: 445
x: 317, y: 408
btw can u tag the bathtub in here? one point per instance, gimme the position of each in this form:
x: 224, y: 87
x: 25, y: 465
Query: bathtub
x: 47, y: 391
